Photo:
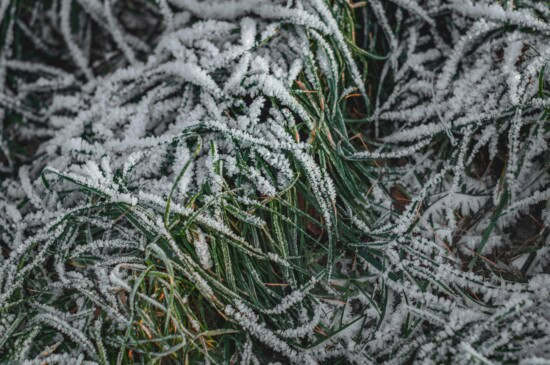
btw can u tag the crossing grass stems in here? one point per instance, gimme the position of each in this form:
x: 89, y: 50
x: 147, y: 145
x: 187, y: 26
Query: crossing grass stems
x: 274, y: 181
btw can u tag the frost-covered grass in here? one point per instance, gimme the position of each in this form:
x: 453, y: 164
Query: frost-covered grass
x: 262, y: 181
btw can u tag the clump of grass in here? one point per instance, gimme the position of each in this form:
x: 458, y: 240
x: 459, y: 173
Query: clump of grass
x: 262, y: 182
x: 126, y: 259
